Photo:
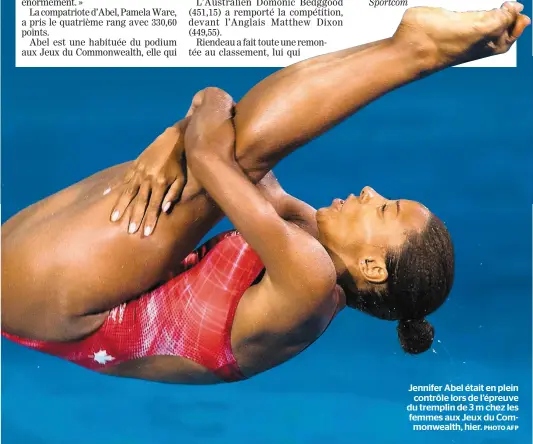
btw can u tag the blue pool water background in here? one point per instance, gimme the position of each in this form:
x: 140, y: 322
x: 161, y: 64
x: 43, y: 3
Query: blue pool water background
x: 459, y: 141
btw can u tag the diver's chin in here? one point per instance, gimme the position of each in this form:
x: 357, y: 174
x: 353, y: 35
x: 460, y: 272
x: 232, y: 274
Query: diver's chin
x: 321, y: 212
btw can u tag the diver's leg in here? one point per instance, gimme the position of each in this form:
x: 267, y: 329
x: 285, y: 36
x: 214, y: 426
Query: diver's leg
x: 298, y: 103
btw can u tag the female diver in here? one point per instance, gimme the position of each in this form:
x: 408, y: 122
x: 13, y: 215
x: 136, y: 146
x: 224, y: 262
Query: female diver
x: 83, y: 289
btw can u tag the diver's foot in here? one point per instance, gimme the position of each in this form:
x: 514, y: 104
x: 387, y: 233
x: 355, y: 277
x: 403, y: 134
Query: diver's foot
x: 450, y: 38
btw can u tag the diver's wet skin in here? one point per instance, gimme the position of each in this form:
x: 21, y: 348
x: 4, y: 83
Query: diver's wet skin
x: 124, y: 292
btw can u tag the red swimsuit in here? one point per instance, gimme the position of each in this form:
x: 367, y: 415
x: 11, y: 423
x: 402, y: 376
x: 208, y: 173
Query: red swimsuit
x: 190, y: 316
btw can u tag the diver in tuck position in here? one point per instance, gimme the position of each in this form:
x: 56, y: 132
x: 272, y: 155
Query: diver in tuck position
x: 128, y: 299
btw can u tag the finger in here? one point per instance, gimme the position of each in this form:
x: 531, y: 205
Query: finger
x: 154, y: 209
x: 124, y: 200
x: 141, y: 201
x: 173, y: 194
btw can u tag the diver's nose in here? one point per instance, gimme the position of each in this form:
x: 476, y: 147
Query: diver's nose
x: 367, y: 194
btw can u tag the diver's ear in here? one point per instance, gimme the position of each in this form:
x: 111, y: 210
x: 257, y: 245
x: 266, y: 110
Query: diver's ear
x: 373, y: 269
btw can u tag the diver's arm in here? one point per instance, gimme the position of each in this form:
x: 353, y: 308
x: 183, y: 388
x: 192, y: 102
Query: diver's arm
x: 211, y: 159
x: 288, y: 207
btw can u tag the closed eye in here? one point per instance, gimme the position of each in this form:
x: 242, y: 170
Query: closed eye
x: 383, y: 207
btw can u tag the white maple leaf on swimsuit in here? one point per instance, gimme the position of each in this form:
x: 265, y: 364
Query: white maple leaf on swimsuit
x: 102, y: 357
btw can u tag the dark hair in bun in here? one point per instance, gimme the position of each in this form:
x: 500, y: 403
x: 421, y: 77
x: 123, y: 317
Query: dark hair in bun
x: 416, y: 336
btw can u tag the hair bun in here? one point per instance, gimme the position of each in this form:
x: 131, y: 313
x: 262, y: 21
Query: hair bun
x: 416, y: 335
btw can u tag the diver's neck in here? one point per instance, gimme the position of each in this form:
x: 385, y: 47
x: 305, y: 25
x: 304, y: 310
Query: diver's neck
x: 340, y: 271
x: 338, y: 264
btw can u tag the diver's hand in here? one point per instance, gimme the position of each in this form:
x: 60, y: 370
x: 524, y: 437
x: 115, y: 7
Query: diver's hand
x: 154, y: 181
x: 450, y: 38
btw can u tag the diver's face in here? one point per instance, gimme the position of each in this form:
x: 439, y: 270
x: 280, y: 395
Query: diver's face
x: 361, y: 229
